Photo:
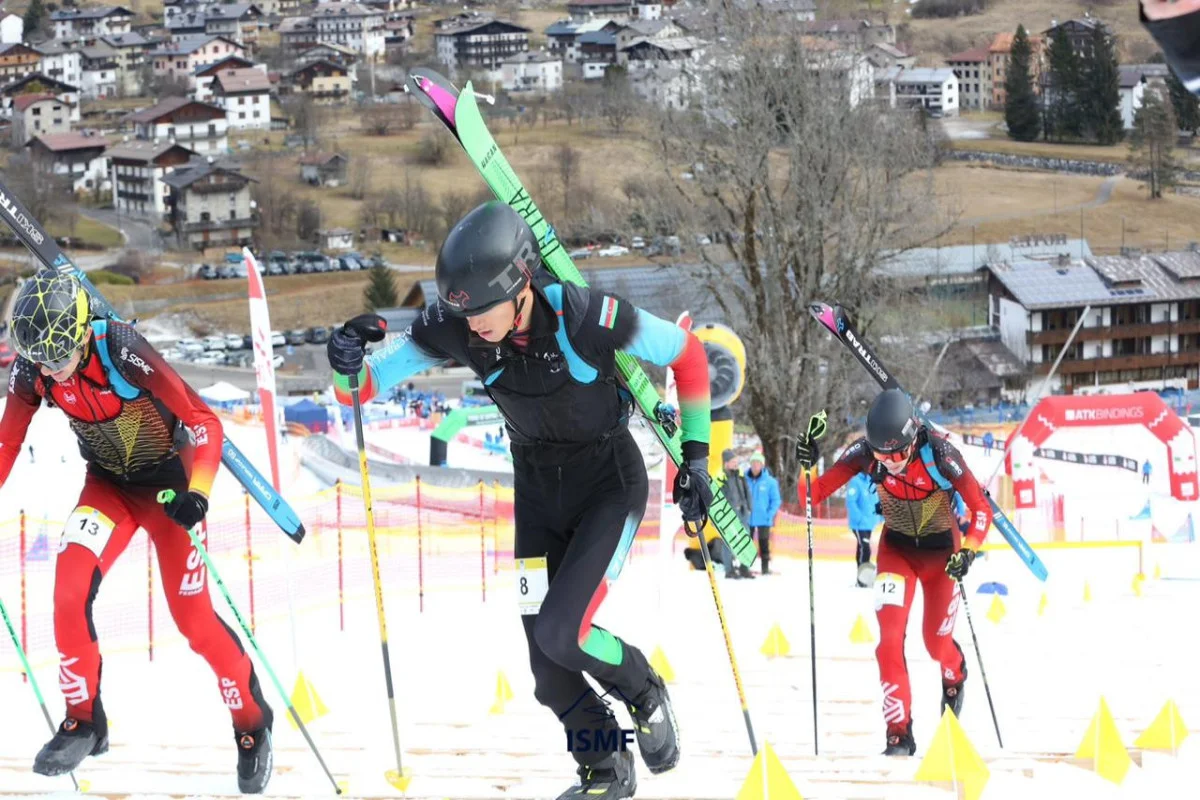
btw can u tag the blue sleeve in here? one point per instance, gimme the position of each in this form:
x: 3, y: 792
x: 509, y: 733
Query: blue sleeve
x: 402, y: 358
x: 960, y: 505
x: 655, y: 340
x: 774, y: 501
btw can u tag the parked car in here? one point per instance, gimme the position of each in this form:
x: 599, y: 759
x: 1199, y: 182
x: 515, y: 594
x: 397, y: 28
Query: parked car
x: 277, y: 361
x: 190, y: 346
x: 7, y: 354
x: 637, y: 243
x: 612, y: 250
x: 214, y: 343
x: 580, y: 252
x: 206, y: 272
x: 239, y: 359
x: 295, y: 336
x: 277, y: 339
x: 209, y: 359
x: 226, y: 271
x: 233, y: 341
x: 248, y: 342
x: 170, y: 354
x: 323, y: 264
x: 316, y: 335
x: 276, y: 267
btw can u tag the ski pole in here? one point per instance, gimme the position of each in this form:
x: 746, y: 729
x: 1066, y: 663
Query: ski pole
x: 166, y: 496
x: 399, y: 779
x: 716, y: 593
x: 962, y: 596
x: 32, y: 680
x: 817, y: 425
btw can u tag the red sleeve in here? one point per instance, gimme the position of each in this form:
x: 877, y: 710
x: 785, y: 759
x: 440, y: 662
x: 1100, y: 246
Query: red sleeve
x: 856, y: 459
x: 142, y: 366
x: 951, y: 464
x: 21, y: 403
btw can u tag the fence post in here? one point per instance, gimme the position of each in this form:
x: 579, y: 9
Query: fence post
x: 482, y: 548
x: 420, y: 554
x: 337, y: 486
x: 24, y: 608
x: 149, y: 598
x: 250, y: 562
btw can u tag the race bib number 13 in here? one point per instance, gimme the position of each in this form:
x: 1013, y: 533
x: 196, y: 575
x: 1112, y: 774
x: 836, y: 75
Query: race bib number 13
x: 532, y: 584
x: 89, y: 527
x: 889, y: 590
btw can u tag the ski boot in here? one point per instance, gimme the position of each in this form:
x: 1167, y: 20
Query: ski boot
x: 952, y: 695
x: 866, y: 575
x: 657, y: 731
x: 745, y: 572
x: 900, y: 741
x: 74, y: 741
x: 611, y: 779
x: 255, y: 759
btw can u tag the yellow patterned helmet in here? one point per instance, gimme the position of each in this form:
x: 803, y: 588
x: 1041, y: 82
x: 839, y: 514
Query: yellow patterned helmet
x: 50, y: 318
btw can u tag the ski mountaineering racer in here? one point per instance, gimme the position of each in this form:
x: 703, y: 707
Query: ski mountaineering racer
x: 140, y: 429
x: 545, y: 351
x: 917, y: 473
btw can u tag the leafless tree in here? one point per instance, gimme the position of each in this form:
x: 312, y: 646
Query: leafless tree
x: 573, y: 99
x: 308, y: 118
x: 416, y: 207
x: 48, y: 197
x: 276, y: 204
x: 308, y: 220
x: 433, y: 149
x: 385, y: 119
x: 805, y: 185
x: 456, y: 204
x: 618, y: 102
x: 568, y: 159
x: 360, y: 176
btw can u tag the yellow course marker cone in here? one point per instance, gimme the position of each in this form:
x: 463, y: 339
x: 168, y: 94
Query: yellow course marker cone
x: 659, y: 663
x: 307, y: 702
x: 1102, y: 746
x: 776, y: 644
x: 1166, y: 732
x: 861, y: 632
x: 996, y: 610
x: 767, y: 779
x: 504, y: 693
x: 953, y: 759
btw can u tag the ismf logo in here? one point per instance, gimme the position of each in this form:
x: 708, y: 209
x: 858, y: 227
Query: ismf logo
x: 458, y: 299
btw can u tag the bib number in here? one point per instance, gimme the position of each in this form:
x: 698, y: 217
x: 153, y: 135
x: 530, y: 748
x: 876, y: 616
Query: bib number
x: 89, y: 527
x: 889, y: 590
x: 533, y: 582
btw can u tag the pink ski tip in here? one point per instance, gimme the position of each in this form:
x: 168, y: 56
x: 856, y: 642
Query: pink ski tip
x: 824, y: 314
x: 444, y: 100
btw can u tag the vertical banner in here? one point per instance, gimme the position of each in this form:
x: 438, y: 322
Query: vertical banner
x: 264, y: 370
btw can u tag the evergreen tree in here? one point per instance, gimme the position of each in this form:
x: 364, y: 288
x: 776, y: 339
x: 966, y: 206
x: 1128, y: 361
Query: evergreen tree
x: 1062, y: 88
x: 1021, y: 111
x: 1100, y: 90
x: 35, y: 18
x: 381, y: 289
x: 1185, y: 104
x: 1152, y: 141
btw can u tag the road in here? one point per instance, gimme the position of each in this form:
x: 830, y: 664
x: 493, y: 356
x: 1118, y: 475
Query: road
x: 140, y: 234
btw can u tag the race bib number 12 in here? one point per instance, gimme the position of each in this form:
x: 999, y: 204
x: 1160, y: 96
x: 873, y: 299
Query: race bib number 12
x: 89, y: 527
x: 533, y: 582
x: 889, y: 590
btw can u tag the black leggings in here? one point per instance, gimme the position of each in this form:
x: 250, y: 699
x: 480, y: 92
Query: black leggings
x: 864, y: 547
x: 582, y: 516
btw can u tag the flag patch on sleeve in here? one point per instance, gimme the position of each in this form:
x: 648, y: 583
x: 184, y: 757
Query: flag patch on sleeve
x: 608, y: 312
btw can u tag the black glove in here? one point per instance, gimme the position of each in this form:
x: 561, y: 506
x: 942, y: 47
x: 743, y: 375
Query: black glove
x: 187, y: 509
x: 692, y: 493
x: 958, y: 563
x: 347, y: 346
x: 807, y: 451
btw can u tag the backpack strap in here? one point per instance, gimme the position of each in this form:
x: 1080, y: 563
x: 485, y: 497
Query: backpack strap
x: 930, y: 460
x: 124, y: 389
x: 580, y: 370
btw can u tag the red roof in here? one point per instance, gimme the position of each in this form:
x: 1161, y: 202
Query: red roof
x: 24, y: 101
x: 60, y: 142
x: 974, y: 54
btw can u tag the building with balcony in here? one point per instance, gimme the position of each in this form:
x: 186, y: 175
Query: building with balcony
x: 78, y: 157
x: 138, y: 168
x: 185, y: 56
x: 200, y: 127
x: 209, y: 205
x: 89, y: 23
x: 18, y: 61
x: 536, y: 72
x: 999, y: 55
x: 62, y: 62
x: 583, y: 10
x: 246, y: 96
x: 935, y: 90
x: 480, y: 44
x: 204, y: 74
x: 1142, y: 329
x: 240, y: 22
x: 326, y: 82
x: 39, y: 84
x: 351, y: 25
x: 563, y: 36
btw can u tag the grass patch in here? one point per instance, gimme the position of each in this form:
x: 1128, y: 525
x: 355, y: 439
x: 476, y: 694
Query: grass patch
x: 87, y: 231
x: 981, y: 192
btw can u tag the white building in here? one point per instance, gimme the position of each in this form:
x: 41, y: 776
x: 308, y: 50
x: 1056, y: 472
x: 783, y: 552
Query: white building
x: 246, y: 96
x: 481, y: 43
x: 533, y: 71
x: 1134, y: 80
x: 665, y: 84
x: 351, y: 25
x: 183, y: 58
x: 204, y: 75
x: 12, y: 28
x: 200, y: 127
x: 138, y: 168
x: 62, y: 62
x: 935, y: 90
x: 86, y: 23
x: 99, y: 65
x: 851, y: 70
x: 564, y: 36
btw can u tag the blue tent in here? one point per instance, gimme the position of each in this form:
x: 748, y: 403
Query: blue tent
x: 309, y: 414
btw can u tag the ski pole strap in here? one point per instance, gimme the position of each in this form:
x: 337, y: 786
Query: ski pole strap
x: 817, y: 425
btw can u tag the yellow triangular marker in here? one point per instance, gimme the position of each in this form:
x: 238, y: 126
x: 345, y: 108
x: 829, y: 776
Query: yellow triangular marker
x: 1157, y: 572
x: 1087, y: 592
x: 306, y: 701
x: 399, y: 781
x: 996, y: 610
x: 1166, y: 733
x: 776, y: 643
x: 767, y: 779
x: 861, y: 632
x: 1102, y: 745
x: 504, y: 693
x: 953, y: 759
x: 1137, y: 584
x: 659, y: 663
x: 1045, y: 601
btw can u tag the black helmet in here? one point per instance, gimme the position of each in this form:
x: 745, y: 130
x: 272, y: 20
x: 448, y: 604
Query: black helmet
x: 488, y: 258
x: 50, y: 318
x: 891, y: 422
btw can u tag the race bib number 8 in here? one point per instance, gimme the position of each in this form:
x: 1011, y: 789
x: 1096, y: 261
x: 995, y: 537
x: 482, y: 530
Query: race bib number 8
x: 532, y: 584
x: 889, y: 590
x: 89, y: 527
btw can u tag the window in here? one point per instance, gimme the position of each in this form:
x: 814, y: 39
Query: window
x: 241, y: 115
x: 233, y: 213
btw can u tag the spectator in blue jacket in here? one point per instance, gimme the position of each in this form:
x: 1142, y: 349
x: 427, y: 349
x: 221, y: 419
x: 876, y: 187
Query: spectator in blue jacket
x: 862, y: 510
x: 764, y: 506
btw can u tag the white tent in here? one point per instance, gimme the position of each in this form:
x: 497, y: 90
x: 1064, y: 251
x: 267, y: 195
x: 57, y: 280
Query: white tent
x: 223, y: 393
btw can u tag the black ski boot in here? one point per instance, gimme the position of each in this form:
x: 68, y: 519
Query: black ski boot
x: 901, y: 742
x: 952, y: 695
x: 255, y: 759
x: 74, y: 741
x: 657, y: 731
x: 611, y: 779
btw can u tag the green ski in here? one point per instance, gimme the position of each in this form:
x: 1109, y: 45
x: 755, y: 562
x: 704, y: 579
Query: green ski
x: 460, y: 114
